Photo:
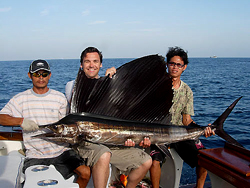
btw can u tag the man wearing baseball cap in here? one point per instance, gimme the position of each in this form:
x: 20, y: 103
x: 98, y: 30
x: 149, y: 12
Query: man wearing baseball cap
x: 41, y: 105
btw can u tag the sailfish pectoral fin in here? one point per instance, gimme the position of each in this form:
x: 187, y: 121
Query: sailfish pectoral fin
x: 218, y: 124
x: 164, y: 149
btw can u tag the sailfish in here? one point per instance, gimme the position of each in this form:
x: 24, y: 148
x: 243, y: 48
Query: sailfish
x: 133, y: 104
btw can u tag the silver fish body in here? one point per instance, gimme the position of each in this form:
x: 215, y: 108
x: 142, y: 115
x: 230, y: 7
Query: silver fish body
x: 112, y: 131
x: 78, y: 127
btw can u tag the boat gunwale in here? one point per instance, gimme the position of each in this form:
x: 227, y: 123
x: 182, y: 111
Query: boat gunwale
x: 11, y: 135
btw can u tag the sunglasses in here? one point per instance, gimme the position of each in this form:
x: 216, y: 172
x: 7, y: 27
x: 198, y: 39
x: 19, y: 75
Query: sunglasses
x: 172, y: 64
x: 37, y: 74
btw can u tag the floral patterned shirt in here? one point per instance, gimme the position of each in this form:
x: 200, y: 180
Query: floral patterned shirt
x: 182, y: 103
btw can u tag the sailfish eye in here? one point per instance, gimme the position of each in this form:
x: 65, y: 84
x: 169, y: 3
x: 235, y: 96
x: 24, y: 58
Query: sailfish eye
x: 54, y: 127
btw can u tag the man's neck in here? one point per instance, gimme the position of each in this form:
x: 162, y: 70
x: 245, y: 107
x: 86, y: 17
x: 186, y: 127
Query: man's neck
x: 40, y: 90
x: 176, y: 83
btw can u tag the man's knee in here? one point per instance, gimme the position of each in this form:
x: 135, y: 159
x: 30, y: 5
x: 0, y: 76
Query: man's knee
x: 156, y: 163
x: 83, y: 172
x: 147, y: 164
x: 105, y: 157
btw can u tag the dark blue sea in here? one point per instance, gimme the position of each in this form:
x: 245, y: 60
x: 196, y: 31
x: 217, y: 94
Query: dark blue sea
x: 216, y: 83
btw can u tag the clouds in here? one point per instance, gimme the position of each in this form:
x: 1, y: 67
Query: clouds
x: 44, y: 12
x: 85, y: 13
x: 5, y: 9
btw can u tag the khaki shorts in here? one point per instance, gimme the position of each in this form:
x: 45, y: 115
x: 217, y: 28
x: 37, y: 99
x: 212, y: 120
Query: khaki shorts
x: 92, y: 152
x: 126, y: 159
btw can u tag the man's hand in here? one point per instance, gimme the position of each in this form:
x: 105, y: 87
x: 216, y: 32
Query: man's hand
x: 29, y: 125
x: 111, y: 71
x: 145, y: 143
x: 129, y: 142
x: 209, y: 132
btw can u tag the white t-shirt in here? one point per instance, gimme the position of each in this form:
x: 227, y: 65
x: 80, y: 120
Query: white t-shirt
x: 69, y: 90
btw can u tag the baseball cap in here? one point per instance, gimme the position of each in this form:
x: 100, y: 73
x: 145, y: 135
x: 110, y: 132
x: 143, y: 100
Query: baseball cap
x: 39, y: 65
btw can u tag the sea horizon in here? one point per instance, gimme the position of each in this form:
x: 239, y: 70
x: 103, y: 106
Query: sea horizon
x: 209, y: 57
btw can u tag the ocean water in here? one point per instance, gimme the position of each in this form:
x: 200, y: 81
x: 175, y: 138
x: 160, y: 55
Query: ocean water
x: 216, y: 83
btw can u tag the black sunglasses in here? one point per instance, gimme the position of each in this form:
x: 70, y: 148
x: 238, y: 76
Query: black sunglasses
x: 177, y: 64
x: 37, y: 74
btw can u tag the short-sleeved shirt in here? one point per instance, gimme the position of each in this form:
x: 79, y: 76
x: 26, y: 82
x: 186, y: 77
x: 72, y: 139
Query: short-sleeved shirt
x: 182, y: 104
x: 43, y: 109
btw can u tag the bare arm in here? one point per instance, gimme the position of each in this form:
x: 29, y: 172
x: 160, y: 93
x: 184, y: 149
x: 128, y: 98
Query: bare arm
x: 186, y: 120
x: 8, y: 120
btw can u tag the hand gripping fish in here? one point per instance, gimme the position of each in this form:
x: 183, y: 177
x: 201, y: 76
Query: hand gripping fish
x: 78, y: 127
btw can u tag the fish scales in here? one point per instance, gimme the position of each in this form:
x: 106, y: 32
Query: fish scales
x: 78, y: 127
x: 112, y: 131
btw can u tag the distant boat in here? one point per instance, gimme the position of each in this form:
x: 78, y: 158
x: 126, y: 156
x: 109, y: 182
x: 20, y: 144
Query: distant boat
x: 214, y: 56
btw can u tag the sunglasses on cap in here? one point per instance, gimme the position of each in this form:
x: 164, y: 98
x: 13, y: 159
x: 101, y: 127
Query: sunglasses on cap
x: 37, y: 74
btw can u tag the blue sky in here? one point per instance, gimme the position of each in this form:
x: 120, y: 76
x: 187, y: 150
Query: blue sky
x: 54, y: 29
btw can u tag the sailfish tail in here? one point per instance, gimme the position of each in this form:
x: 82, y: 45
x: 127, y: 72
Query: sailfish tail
x: 218, y: 124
